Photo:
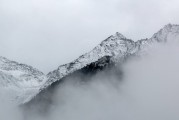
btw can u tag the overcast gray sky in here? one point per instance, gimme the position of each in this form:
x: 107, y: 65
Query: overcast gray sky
x: 48, y: 33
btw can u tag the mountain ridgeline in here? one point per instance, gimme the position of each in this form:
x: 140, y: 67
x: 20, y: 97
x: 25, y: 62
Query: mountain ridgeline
x: 111, y: 52
x: 115, y: 49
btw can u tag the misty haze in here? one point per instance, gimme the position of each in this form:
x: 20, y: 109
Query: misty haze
x: 89, y: 60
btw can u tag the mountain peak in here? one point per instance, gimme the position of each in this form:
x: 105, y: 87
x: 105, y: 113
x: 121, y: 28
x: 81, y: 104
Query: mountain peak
x: 169, y: 32
x: 113, y: 40
x: 171, y: 25
x: 114, y: 46
x: 119, y: 35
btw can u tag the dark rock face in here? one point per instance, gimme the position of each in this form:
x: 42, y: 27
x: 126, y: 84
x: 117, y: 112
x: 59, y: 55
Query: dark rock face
x: 44, y: 99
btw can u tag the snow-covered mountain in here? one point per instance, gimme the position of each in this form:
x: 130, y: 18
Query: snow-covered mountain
x: 20, y: 80
x: 117, y: 47
x: 28, y: 82
x: 170, y: 34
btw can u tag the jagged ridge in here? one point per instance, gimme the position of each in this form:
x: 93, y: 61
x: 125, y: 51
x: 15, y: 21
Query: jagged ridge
x: 117, y: 46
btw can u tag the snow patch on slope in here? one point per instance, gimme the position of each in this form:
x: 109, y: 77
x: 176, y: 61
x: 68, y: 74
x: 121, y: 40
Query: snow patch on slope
x: 22, y: 81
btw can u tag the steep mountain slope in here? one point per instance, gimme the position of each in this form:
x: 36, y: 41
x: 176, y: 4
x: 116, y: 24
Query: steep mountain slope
x: 22, y: 80
x: 117, y: 47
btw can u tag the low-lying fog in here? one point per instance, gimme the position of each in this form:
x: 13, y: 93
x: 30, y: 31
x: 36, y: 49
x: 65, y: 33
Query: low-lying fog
x: 149, y: 90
